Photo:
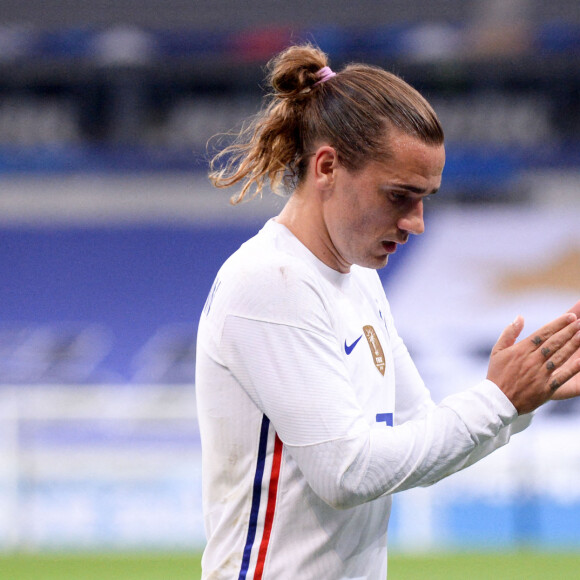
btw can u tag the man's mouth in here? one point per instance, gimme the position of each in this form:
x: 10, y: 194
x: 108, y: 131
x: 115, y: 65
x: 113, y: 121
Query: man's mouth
x: 390, y: 247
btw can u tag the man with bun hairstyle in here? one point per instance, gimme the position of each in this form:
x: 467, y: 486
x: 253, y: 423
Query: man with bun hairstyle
x: 312, y: 413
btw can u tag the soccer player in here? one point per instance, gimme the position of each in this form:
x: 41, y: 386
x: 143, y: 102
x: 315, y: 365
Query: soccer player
x: 312, y: 413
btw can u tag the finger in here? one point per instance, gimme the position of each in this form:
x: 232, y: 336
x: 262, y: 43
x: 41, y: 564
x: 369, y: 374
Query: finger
x: 553, y: 348
x: 569, y: 390
x: 510, y: 334
x: 567, y: 371
x: 559, y: 339
x: 541, y: 336
x: 576, y: 309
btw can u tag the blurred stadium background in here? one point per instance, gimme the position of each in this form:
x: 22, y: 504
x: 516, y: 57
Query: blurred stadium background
x: 110, y: 236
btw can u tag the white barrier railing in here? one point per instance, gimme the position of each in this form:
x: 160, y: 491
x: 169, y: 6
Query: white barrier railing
x: 119, y: 467
x: 94, y: 466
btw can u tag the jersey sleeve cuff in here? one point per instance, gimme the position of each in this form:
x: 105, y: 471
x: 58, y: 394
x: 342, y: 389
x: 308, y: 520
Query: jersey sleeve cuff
x: 484, y: 409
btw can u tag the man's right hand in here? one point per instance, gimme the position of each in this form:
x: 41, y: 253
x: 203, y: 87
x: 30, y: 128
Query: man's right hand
x: 531, y: 371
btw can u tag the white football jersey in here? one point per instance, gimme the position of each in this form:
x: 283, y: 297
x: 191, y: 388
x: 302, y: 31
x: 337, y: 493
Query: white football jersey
x: 312, y: 414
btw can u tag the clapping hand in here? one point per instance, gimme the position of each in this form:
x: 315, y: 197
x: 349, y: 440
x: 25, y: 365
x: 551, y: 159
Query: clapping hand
x: 543, y: 366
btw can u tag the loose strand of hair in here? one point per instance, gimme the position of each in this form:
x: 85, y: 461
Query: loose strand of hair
x: 261, y: 153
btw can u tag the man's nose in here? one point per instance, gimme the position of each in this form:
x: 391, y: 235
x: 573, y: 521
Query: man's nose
x: 412, y: 222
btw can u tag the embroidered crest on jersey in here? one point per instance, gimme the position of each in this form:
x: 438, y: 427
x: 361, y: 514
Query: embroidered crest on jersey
x: 376, y: 348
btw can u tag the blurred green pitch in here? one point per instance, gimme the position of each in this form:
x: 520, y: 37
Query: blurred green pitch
x: 521, y: 565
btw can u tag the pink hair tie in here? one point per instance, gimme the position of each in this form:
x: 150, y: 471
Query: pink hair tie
x: 324, y: 74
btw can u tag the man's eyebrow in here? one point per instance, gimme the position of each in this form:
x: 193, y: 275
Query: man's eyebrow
x: 417, y: 190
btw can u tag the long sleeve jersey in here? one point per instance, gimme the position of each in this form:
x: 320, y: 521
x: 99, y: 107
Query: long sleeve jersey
x: 312, y: 414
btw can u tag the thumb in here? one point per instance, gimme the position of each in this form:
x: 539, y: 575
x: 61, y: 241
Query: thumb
x: 510, y: 334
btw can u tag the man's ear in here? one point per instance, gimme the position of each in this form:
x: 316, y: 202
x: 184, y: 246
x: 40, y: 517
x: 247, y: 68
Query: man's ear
x: 325, y: 166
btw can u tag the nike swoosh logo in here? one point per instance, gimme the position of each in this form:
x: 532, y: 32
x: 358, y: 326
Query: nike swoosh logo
x: 348, y: 348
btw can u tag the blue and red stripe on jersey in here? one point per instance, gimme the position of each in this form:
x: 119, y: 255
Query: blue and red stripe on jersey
x: 258, y: 503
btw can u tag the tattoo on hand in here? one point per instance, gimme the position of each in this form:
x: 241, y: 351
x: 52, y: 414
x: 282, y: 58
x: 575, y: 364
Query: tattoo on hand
x: 550, y: 365
x: 554, y: 385
x: 545, y: 351
x: 537, y: 340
